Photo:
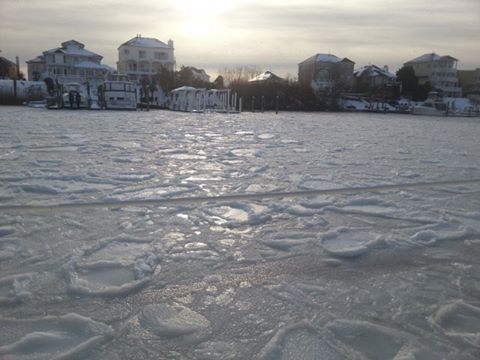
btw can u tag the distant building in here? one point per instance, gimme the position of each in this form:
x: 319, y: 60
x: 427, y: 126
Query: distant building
x: 192, y: 74
x: 326, y: 73
x: 143, y: 57
x: 37, y: 68
x: 439, y: 71
x: 469, y: 81
x: 375, y: 80
x: 267, y: 77
x: 8, y: 69
x: 69, y: 63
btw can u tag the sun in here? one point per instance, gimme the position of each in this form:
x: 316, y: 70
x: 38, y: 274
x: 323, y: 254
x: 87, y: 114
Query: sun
x: 203, y: 8
x: 202, y: 17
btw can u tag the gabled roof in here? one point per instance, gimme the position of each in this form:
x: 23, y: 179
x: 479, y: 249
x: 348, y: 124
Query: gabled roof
x: 146, y: 42
x: 73, y: 43
x: 326, y: 58
x: 73, y: 47
x: 430, y: 57
x: 6, y: 61
x: 38, y: 59
x: 266, y: 76
x: 372, y: 71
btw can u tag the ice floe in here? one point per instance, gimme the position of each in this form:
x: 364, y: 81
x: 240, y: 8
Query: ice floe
x: 298, y: 341
x: 345, y: 242
x: 237, y: 214
x: 113, y: 267
x: 175, y: 322
x: 432, y: 234
x: 366, y: 340
x: 460, y: 321
x: 51, y: 337
x: 367, y: 206
x: 14, y: 288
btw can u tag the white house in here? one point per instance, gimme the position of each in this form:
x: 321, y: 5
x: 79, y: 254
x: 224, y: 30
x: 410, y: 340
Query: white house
x: 143, y: 56
x: 439, y: 71
x: 69, y: 63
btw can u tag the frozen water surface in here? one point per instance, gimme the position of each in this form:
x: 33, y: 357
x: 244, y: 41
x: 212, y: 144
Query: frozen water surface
x: 381, y: 273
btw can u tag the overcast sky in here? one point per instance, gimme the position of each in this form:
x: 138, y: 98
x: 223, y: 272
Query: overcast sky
x: 268, y: 34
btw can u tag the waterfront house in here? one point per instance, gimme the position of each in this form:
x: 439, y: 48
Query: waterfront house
x: 327, y: 74
x: 8, y: 69
x: 374, y: 80
x: 69, y: 63
x: 143, y: 57
x: 267, y: 77
x: 439, y: 71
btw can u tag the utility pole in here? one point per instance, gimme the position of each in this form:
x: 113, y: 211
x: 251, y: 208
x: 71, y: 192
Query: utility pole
x: 17, y: 75
x: 18, y: 66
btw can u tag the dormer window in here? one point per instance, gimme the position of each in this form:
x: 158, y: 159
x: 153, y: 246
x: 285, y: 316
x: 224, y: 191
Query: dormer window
x: 142, y: 54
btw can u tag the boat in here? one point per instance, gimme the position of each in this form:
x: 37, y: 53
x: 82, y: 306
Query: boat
x: 432, y: 106
x: 75, y: 96
x: 118, y: 95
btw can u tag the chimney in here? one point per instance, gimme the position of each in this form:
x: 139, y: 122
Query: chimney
x: 170, y: 43
x: 385, y: 68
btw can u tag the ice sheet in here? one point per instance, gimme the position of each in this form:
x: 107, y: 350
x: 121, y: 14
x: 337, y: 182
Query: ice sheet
x: 161, y: 261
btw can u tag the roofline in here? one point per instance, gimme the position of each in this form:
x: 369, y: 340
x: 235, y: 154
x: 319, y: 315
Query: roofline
x: 141, y: 37
x: 413, y: 61
x: 5, y: 59
x: 314, y: 57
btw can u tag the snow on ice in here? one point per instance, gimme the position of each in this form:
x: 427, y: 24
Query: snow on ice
x: 153, y: 257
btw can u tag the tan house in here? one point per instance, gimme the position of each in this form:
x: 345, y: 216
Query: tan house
x: 8, y: 69
x: 326, y: 73
x: 143, y: 57
x: 439, y: 71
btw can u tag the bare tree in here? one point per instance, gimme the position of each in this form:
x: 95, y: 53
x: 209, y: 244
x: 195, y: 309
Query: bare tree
x: 238, y: 74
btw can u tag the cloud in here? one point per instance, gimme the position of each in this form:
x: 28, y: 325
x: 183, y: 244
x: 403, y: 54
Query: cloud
x: 250, y: 32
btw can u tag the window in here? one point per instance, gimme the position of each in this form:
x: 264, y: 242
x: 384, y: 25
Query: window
x: 126, y: 51
x: 142, y: 54
x: 161, y: 55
